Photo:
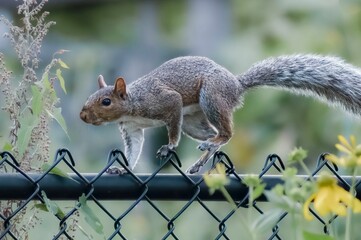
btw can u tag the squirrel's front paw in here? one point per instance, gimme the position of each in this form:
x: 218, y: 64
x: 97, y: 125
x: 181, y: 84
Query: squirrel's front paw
x: 164, y: 151
x: 116, y: 170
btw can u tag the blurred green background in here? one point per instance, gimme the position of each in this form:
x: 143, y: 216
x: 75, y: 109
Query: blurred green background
x: 130, y: 38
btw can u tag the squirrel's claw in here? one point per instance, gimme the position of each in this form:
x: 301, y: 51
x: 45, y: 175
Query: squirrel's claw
x: 116, y: 170
x: 202, y: 160
x: 194, y: 168
x: 163, y: 151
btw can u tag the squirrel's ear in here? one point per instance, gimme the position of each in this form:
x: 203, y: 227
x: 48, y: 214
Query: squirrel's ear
x: 101, y: 82
x: 120, y: 88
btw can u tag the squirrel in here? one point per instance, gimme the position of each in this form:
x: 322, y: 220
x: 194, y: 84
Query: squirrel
x: 196, y: 96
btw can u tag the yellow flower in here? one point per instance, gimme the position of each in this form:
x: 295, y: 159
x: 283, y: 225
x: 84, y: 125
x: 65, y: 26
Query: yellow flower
x: 352, y: 152
x: 330, y: 198
x: 218, y: 180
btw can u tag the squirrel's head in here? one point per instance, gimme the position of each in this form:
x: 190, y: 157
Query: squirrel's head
x: 107, y: 104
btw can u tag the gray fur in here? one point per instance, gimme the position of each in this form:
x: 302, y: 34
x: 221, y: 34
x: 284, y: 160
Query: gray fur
x: 328, y: 78
x: 198, y: 96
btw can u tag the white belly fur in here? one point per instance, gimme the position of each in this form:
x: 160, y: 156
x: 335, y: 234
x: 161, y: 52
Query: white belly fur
x: 140, y: 122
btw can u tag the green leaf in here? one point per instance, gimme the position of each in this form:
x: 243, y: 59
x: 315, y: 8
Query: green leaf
x: 90, y: 217
x: 27, y: 124
x: 55, y: 170
x: 7, y: 147
x: 56, y: 114
x: 61, y: 79
x: 41, y: 206
x: 281, y: 201
x: 316, y: 236
x: 63, y: 64
x: 37, y: 101
x: 45, y: 77
x: 265, y: 222
x: 297, y: 155
x: 48, y: 87
x: 252, y: 180
x: 258, y: 190
x: 52, y: 206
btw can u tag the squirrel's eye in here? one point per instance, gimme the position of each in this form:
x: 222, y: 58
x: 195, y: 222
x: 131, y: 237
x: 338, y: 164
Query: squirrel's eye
x: 106, y: 102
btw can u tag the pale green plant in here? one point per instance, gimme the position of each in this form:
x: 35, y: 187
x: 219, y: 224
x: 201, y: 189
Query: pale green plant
x: 296, y: 195
x: 30, y: 102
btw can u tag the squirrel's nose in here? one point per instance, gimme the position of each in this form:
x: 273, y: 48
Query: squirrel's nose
x: 83, y: 116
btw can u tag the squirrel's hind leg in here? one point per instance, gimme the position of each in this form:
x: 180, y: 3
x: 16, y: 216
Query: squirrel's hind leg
x: 219, y: 115
x: 198, y: 127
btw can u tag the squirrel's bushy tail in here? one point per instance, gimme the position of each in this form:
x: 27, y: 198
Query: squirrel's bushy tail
x: 329, y: 78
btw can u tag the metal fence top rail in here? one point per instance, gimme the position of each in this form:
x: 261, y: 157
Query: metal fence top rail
x: 15, y: 186
x: 156, y: 186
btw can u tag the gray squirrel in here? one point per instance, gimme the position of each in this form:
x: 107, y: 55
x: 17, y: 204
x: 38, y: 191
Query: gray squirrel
x: 196, y: 96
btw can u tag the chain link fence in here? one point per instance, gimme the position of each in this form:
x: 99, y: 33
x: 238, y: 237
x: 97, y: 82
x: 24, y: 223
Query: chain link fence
x: 23, y: 189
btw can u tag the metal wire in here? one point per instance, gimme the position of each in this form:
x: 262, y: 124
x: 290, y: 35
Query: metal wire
x: 150, y: 188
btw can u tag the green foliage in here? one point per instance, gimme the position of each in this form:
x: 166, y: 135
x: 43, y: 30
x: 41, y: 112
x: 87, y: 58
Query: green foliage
x: 28, y: 123
x: 42, y: 101
x: 271, y: 121
x: 217, y: 180
x: 89, y: 215
x: 56, y: 114
x: 63, y: 64
x: 61, y: 79
x: 36, y: 102
x: 55, y: 170
x: 316, y: 236
x: 280, y: 201
x: 264, y: 222
x: 30, y: 102
x: 296, y: 195
x: 255, y: 185
x: 50, y: 206
x: 297, y: 155
x: 7, y: 147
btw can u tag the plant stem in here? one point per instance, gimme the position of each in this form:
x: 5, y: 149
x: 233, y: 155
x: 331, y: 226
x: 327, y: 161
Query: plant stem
x: 349, y: 208
x: 249, y: 210
x: 228, y: 197
x: 295, y: 225
x: 308, y: 172
x: 230, y: 200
